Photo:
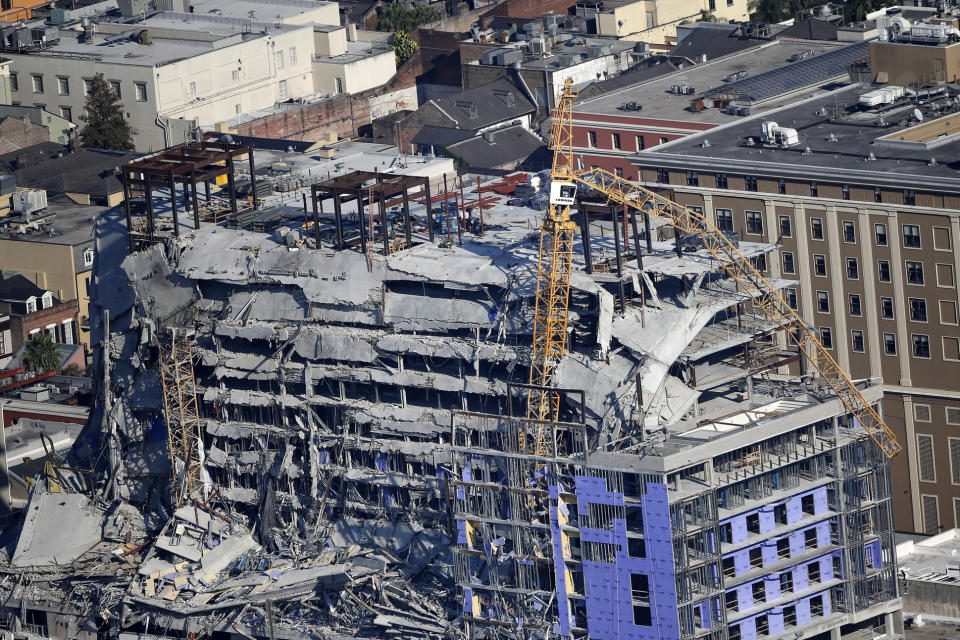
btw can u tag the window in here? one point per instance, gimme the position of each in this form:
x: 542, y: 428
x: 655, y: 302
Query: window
x: 941, y: 239
x: 787, y: 259
x: 849, y: 233
x: 31, y: 306
x: 693, y: 179
x: 337, y: 86
x: 878, y: 194
x: 954, y: 460
x: 641, y: 144
x: 857, y: 336
x: 783, y: 548
x: 786, y: 582
x: 855, y: 305
x: 918, y: 309
x: 890, y: 344
x: 928, y: 472
x: 664, y: 140
x: 115, y: 85
x: 816, y: 605
x: 759, y: 592
x: 283, y: 89
x: 140, y: 90
x: 956, y: 516
x: 826, y: 337
x: 756, y: 558
x: 931, y: 514
x: 819, y: 264
x: 67, y: 331
x: 292, y: 55
x: 63, y: 85
x: 615, y: 141
x: 750, y: 183
x: 813, y: 189
x: 953, y: 415
x: 754, y: 222
x: 810, y: 539
x: 192, y: 88
x: 37, y: 83
x: 853, y: 271
x: 760, y: 262
x: 636, y: 548
x: 914, y: 272
x: 823, y: 302
x: 816, y: 228
x: 762, y: 623
x: 909, y: 197
x: 278, y: 59
x: 791, y: 296
x: 46, y: 300
x: 663, y: 176
x: 236, y: 75
x: 619, y: 172
x: 641, y: 616
x: 721, y: 180
x: 14, y: 83
x: 66, y: 113
x: 813, y: 572
x: 948, y: 312
x: 886, y: 308
x: 911, y: 236
x: 782, y: 186
x: 88, y: 257
x: 591, y: 138
x: 951, y: 348
x: 725, y: 219
x: 921, y: 346
x: 87, y: 86
x: 639, y: 586
x: 785, y: 230
x: 846, y: 191
x: 883, y: 270
x: 880, y: 234
x: 790, y: 615
x: 945, y: 275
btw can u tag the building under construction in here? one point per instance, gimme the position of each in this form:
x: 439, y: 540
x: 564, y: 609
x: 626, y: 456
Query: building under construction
x: 328, y: 427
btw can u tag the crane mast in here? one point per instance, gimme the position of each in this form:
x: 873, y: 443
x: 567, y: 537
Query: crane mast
x: 555, y: 264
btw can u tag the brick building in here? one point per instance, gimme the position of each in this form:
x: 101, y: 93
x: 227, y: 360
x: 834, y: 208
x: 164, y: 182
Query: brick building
x: 868, y: 224
x: 19, y: 132
x: 33, y: 309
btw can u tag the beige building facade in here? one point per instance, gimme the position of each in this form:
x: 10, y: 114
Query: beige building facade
x: 655, y: 21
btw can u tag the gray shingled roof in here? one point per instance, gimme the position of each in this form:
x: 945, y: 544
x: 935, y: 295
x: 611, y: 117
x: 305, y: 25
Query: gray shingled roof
x: 505, y: 146
x: 499, y: 101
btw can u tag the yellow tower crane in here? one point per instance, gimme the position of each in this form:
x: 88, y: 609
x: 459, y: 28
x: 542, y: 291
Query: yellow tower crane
x: 555, y: 264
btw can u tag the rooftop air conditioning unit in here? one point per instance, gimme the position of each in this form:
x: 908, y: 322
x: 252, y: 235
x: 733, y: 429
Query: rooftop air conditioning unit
x: 28, y: 200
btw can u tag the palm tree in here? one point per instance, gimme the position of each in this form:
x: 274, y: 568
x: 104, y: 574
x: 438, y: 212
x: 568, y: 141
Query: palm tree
x: 42, y: 354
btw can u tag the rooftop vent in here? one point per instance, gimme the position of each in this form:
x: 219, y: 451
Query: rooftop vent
x: 871, y: 157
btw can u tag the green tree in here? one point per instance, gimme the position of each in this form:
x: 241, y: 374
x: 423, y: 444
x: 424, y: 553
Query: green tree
x: 41, y: 354
x: 403, y: 45
x: 395, y: 17
x: 105, y: 126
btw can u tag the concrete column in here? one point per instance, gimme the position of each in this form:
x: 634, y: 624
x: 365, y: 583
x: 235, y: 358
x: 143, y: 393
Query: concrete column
x: 835, y: 273
x: 807, y: 305
x: 872, y: 341
x: 912, y: 462
x: 905, y: 345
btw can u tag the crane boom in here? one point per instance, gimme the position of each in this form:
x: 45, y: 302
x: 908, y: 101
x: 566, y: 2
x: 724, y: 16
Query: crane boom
x: 765, y: 296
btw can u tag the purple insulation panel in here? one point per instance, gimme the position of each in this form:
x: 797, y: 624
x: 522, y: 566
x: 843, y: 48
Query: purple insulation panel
x: 775, y: 620
x: 794, y: 510
x: 467, y: 597
x: 461, y: 532
x: 769, y: 549
x: 767, y: 522
x: 800, y: 581
x: 610, y: 610
x: 820, y: 504
x: 748, y: 629
x: 771, y: 586
x: 741, y: 561
x: 738, y: 525
x: 706, y: 621
x: 744, y: 597
x: 564, y: 611
x: 803, y: 612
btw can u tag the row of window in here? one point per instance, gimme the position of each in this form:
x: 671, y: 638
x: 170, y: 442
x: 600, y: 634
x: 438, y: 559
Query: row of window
x: 63, y: 334
x: 63, y: 86
x: 922, y: 413
x: 751, y: 183
x: 928, y: 471
x: 786, y: 579
x: 616, y: 141
x: 762, y: 622
x: 911, y: 232
x: 917, y: 306
x: 920, y: 344
x: 930, y: 511
x: 913, y: 268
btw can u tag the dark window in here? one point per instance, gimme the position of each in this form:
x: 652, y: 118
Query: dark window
x: 883, y: 270
x: 914, y: 272
x: 639, y: 586
x: 693, y: 179
x: 754, y: 222
x: 785, y: 230
x: 663, y: 176
x: 735, y: 633
x: 886, y: 308
x: 786, y: 582
x: 921, y: 345
x: 819, y: 264
x: 791, y: 297
x: 782, y: 186
x: 634, y: 519
x: 853, y: 271
x: 615, y: 139
x: 760, y: 262
x: 911, y: 236
x: 641, y: 616
x: 14, y: 84
x: 918, y: 309
x: 790, y: 615
x: 880, y: 231
x: 826, y: 337
x: 783, y: 548
x: 721, y: 180
x: 816, y: 228
x: 823, y: 302
x: 787, y: 262
x: 637, y: 548
x: 855, y: 304
x: 726, y: 532
x: 849, y: 232
x: 890, y: 344
x: 753, y: 523
x: 759, y: 591
x: 756, y: 557
x: 813, y: 188
x: 763, y: 625
x: 618, y: 171
x: 813, y: 572
x: 641, y: 144
x: 751, y: 183
x: 592, y: 138
x: 664, y: 140
x: 846, y: 191
x: 816, y: 605
x: 725, y: 219
x: 810, y: 539
x: 731, y: 599
x: 780, y: 513
x: 909, y: 197
x: 857, y: 336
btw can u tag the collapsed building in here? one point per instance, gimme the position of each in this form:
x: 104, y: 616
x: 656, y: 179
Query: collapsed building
x: 349, y: 388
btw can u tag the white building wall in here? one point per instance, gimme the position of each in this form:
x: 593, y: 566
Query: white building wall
x: 355, y: 77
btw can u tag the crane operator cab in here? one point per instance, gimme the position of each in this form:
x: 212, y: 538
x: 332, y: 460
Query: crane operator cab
x: 563, y: 193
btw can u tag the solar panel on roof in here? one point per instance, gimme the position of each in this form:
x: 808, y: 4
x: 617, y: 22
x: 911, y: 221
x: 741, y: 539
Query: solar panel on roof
x: 796, y: 75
